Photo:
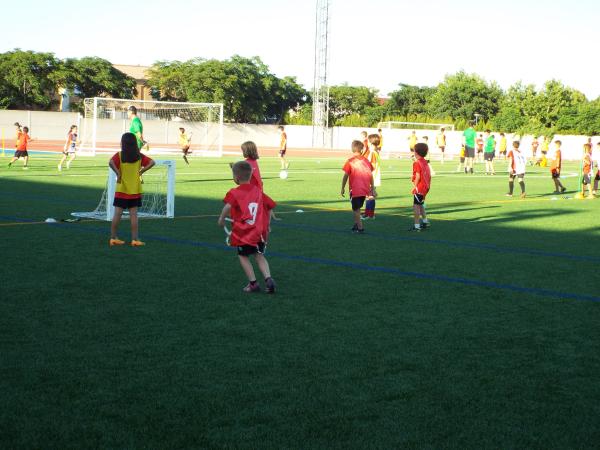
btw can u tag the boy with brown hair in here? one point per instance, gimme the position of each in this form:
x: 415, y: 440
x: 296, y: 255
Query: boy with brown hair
x: 359, y: 171
x: 555, y: 166
x: 421, y: 180
x: 249, y: 209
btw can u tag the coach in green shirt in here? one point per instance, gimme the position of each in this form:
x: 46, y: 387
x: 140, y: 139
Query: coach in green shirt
x: 469, y: 136
x: 136, y: 126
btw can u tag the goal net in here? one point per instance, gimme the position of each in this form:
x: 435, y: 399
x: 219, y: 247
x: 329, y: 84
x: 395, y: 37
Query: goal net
x: 397, y: 136
x: 158, y: 198
x: 105, y: 120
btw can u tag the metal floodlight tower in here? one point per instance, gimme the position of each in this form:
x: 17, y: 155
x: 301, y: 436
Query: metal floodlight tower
x: 320, y: 117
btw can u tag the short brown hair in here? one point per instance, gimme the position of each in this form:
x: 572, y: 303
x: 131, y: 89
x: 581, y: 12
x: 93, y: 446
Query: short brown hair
x: 558, y: 142
x: 357, y: 147
x: 374, y: 139
x: 516, y: 144
x: 249, y: 150
x: 421, y: 149
x: 242, y: 170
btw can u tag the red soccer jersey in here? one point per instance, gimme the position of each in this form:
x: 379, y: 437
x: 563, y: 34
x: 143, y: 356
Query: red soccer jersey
x: 256, y: 179
x: 359, y: 171
x: 250, y: 211
x: 421, y: 167
x: 22, y: 141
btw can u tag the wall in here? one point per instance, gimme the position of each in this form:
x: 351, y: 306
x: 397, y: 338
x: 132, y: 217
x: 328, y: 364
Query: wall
x: 54, y: 126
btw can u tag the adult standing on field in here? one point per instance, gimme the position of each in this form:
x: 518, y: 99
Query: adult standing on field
x: 136, y: 127
x: 469, y: 136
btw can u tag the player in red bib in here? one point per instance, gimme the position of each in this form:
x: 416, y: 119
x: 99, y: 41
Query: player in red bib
x: 421, y: 184
x: 250, y: 152
x: 23, y: 140
x: 359, y: 171
x: 250, y: 210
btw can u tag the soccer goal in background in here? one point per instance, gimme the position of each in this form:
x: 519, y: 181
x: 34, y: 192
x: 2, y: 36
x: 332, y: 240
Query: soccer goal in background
x: 105, y: 120
x: 396, y: 136
x: 158, y: 195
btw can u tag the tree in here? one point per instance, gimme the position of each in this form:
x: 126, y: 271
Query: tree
x: 28, y: 80
x: 346, y: 100
x: 95, y: 77
x: 462, y: 95
x: 410, y: 100
x: 248, y: 91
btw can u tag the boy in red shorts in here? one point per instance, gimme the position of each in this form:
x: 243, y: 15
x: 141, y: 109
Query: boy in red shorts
x: 421, y: 183
x: 250, y: 211
x: 360, y: 173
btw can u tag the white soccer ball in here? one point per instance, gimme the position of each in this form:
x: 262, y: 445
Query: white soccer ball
x: 283, y: 174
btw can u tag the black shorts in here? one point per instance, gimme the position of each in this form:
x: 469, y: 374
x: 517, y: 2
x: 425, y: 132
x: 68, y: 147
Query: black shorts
x: 127, y: 203
x: 418, y: 199
x: 586, y: 179
x: 247, y: 250
x: 469, y: 152
x: 597, y: 176
x: 357, y: 202
x: 21, y: 153
x: 555, y: 174
x: 512, y: 176
x: 185, y: 149
x: 282, y: 152
x: 442, y: 149
x: 479, y: 150
x: 488, y: 156
x: 462, y: 159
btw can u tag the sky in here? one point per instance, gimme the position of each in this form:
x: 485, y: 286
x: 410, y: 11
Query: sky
x: 376, y: 43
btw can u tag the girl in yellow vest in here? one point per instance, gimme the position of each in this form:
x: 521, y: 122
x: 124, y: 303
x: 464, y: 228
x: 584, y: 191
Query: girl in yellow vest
x: 128, y: 165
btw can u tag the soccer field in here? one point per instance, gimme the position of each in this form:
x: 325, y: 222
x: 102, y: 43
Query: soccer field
x: 481, y: 332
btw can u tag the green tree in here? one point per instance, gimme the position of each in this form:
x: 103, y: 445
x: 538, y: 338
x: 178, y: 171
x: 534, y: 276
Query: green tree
x: 462, y: 95
x: 95, y: 77
x: 28, y: 80
x: 410, y: 100
x: 345, y: 100
x: 248, y: 91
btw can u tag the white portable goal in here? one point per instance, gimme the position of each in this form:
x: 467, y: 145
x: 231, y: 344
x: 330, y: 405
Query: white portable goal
x: 105, y: 120
x: 158, y: 198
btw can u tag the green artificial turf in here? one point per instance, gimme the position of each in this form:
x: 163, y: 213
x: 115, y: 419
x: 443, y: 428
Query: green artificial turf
x: 482, y: 332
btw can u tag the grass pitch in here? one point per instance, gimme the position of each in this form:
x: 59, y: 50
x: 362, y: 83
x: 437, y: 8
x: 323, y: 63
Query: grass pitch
x: 482, y: 332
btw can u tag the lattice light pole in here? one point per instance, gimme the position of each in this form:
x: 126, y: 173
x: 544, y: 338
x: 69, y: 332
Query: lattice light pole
x: 320, y: 118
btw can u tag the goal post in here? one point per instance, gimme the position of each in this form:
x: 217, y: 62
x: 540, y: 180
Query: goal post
x: 105, y: 120
x: 397, y: 136
x: 158, y: 197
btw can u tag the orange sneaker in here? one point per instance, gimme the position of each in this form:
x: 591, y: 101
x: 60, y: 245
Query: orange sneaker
x: 136, y: 243
x: 115, y: 241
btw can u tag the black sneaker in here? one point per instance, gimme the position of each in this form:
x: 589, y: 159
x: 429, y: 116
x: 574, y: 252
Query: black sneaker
x: 425, y: 225
x: 471, y: 171
x: 418, y: 230
x: 563, y: 190
x: 361, y: 231
x: 270, y: 286
x: 355, y: 227
x: 251, y: 288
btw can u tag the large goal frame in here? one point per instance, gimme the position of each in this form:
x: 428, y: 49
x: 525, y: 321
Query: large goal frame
x: 105, y: 119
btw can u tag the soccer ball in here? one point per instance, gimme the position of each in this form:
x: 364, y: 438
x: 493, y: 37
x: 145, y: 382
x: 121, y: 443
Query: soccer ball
x: 283, y: 174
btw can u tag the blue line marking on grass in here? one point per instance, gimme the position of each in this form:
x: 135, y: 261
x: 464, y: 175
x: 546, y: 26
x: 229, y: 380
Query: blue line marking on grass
x: 476, y: 245
x: 350, y: 265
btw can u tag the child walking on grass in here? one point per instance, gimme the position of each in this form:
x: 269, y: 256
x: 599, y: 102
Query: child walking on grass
x: 128, y: 164
x: 421, y: 180
x: 359, y: 171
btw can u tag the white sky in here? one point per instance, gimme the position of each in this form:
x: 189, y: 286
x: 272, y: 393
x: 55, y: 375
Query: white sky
x: 377, y: 43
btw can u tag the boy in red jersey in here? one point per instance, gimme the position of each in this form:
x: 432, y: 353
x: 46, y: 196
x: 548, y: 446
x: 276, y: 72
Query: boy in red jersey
x: 21, y: 152
x: 250, y: 211
x: 421, y: 183
x: 360, y: 173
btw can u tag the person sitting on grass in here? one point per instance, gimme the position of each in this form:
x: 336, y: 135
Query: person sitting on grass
x: 249, y: 209
x: 359, y: 171
x: 129, y: 165
x: 421, y: 180
x: 516, y: 169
